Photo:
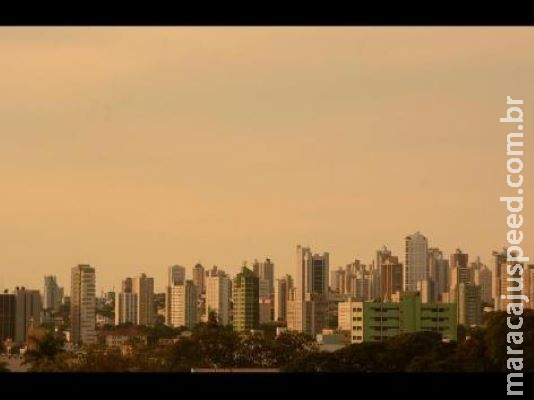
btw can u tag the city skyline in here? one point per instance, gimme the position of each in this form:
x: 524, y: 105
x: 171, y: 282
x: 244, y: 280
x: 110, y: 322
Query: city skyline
x: 188, y: 271
x: 135, y: 149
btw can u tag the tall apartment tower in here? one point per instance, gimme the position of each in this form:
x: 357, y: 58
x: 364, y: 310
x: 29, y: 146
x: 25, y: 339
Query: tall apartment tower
x: 459, y: 271
x: 391, y: 274
x: 483, y: 278
x: 82, y: 304
x: 311, y: 295
x: 499, y: 258
x: 143, y: 287
x: 469, y: 305
x: 337, y: 281
x: 184, y: 305
x: 520, y: 282
x: 380, y: 258
x: 8, y: 312
x: 52, y: 294
x: 416, y: 262
x: 126, y: 304
x: 175, y: 276
x: 218, y: 288
x: 28, y: 312
x: 265, y: 272
x: 281, y: 297
x: 246, y: 292
x: 438, y: 273
x: 199, y: 278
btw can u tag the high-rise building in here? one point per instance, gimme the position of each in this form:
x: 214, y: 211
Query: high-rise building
x: 391, y: 274
x: 52, y: 294
x: 514, y: 284
x: 499, y: 258
x: 337, y: 281
x: 245, y: 291
x: 438, y: 273
x: 82, y: 309
x: 266, y: 310
x: 126, y: 304
x: 218, y: 290
x: 416, y: 262
x: 281, y: 297
x: 361, y: 283
x: 376, y: 271
x: 311, y: 297
x: 482, y: 277
x: 8, y: 319
x: 265, y: 272
x: 143, y: 287
x: 459, y: 272
x: 175, y: 276
x: 184, y: 305
x: 199, y: 277
x: 469, y: 305
x: 459, y: 259
x: 529, y: 285
x: 126, y: 308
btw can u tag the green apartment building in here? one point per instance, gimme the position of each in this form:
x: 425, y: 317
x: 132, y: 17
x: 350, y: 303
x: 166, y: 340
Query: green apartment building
x: 375, y: 321
x: 246, y: 294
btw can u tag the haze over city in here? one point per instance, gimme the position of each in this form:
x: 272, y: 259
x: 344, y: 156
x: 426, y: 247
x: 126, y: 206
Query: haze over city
x: 133, y: 149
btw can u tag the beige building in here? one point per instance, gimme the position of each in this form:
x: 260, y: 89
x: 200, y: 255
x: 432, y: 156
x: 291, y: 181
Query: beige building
x: 281, y: 297
x: 184, y: 305
x: 82, y: 304
x: 311, y: 294
x: 218, y: 286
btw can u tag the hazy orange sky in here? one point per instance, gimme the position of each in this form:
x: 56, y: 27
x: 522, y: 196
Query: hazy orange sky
x: 136, y: 148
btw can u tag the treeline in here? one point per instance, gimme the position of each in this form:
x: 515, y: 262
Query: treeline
x: 214, y: 346
x: 483, y: 350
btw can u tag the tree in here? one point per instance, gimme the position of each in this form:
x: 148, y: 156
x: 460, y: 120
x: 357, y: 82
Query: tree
x: 44, y: 347
x: 3, y: 367
x: 290, y: 346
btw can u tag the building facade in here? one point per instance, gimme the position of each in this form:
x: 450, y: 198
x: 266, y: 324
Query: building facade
x: 245, y: 292
x: 376, y: 321
x: 416, y: 261
x: 82, y: 304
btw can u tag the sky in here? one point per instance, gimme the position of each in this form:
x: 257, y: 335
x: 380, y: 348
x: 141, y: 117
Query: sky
x: 136, y: 148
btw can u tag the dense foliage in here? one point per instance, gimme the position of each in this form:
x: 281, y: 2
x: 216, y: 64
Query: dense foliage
x: 211, y: 345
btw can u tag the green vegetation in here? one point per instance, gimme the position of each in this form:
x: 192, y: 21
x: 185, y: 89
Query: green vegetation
x: 484, y: 350
x: 211, y: 345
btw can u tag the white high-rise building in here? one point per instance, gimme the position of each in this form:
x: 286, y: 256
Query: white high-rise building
x: 176, y: 276
x: 126, y: 308
x: 82, y: 304
x: 184, y: 305
x: 126, y: 304
x: 218, y: 286
x: 311, y: 297
x: 416, y: 262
